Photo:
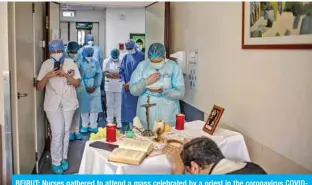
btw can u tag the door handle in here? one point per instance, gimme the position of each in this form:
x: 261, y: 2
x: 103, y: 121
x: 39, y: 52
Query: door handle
x: 21, y: 95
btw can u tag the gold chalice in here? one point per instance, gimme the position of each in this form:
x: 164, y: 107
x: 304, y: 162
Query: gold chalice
x: 159, y: 129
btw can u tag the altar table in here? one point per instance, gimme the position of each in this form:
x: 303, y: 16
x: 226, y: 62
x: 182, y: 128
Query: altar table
x: 94, y: 161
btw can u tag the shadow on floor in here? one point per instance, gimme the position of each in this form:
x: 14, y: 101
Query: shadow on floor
x: 75, y: 152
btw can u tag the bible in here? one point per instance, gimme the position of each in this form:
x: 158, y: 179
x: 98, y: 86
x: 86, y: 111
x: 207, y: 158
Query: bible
x: 131, y: 152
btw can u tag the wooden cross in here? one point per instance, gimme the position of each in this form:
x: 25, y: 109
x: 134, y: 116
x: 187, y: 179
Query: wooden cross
x: 147, y: 106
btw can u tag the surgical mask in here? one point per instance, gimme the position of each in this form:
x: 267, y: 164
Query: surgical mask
x: 139, y: 48
x: 73, y: 56
x: 115, y: 59
x: 89, y: 59
x: 90, y: 42
x: 131, y: 51
x: 157, y: 65
x: 57, y: 56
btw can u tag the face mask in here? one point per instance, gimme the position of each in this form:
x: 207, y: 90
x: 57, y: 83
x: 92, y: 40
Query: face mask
x: 131, y: 51
x: 157, y: 65
x: 89, y: 59
x: 90, y: 43
x: 73, y: 56
x: 139, y: 48
x: 57, y: 56
x: 115, y: 59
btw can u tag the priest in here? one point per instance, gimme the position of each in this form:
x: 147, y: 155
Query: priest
x: 203, y: 156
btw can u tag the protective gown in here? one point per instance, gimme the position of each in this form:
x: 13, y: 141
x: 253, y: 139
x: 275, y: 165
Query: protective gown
x: 167, y: 102
x: 91, y: 76
x: 129, y: 102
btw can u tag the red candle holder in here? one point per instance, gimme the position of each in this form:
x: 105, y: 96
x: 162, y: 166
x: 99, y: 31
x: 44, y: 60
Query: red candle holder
x: 179, y: 122
x: 111, y: 132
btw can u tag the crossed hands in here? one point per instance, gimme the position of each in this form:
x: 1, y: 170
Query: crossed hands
x: 90, y: 89
x: 112, y: 75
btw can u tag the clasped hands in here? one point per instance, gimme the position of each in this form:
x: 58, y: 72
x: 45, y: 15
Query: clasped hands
x: 126, y: 86
x: 90, y: 89
x: 112, y: 75
x: 152, y: 79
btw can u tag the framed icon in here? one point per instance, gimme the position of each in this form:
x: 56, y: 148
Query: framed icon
x: 213, y: 119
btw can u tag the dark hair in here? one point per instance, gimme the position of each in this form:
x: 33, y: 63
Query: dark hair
x: 139, y: 41
x: 201, y: 150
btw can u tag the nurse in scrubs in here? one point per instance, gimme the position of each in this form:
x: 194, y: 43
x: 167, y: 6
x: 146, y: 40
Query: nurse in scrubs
x: 59, y: 76
x: 129, y: 102
x: 72, y: 53
x: 89, y: 92
x: 113, y: 85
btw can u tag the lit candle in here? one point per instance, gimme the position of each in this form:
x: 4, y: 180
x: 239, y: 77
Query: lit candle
x: 179, y: 122
x: 110, y: 132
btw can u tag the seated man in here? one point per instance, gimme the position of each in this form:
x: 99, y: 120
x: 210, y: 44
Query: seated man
x: 203, y: 156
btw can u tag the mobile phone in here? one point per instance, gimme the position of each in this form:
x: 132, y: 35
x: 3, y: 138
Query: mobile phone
x: 57, y: 66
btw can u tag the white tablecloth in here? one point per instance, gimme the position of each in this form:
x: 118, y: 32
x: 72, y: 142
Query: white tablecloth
x: 94, y: 161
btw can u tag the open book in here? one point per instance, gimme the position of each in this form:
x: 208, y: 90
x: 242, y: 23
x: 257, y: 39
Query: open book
x: 131, y: 151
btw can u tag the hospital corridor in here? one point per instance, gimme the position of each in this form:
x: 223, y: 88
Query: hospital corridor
x: 27, y: 31
x: 78, y: 80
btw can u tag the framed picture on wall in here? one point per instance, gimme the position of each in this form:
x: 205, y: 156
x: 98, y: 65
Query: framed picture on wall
x: 213, y: 119
x: 139, y: 38
x: 276, y: 25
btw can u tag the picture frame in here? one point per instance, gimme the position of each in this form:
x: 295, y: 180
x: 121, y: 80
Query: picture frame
x: 261, y: 28
x: 213, y: 119
x: 139, y: 38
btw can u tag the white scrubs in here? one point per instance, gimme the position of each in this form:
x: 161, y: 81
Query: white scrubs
x: 76, y: 122
x: 60, y: 103
x: 113, y: 91
x: 91, y: 118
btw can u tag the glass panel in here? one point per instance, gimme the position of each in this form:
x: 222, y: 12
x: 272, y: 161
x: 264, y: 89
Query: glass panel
x: 81, y: 36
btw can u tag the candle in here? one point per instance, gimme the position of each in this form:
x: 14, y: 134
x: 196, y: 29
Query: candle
x: 110, y: 132
x: 179, y: 122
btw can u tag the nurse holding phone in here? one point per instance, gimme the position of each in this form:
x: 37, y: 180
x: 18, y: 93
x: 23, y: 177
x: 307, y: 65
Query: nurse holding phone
x: 56, y: 76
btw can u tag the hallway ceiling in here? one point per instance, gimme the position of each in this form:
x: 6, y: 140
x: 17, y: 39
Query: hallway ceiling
x: 72, y: 5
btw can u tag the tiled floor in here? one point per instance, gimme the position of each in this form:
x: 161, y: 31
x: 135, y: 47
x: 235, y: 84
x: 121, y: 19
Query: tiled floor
x: 75, y: 152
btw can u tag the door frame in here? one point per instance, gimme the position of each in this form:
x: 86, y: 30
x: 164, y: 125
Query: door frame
x: 167, y: 37
x: 167, y: 34
x: 43, y: 47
